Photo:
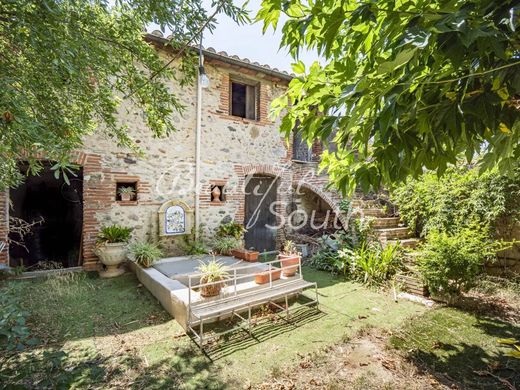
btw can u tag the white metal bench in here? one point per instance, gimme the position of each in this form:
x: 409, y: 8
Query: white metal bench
x: 237, y: 302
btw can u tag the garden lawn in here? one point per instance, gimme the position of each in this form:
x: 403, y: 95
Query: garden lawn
x: 111, y: 332
x: 462, y: 348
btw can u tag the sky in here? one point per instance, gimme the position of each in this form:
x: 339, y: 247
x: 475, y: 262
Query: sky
x: 248, y: 41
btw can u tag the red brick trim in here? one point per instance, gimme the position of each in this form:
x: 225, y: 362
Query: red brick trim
x: 99, y: 186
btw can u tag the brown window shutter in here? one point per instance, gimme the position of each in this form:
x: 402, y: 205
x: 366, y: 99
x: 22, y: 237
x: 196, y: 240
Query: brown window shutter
x: 251, y: 102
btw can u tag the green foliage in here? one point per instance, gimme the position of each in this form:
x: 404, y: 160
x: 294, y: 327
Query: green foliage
x: 126, y: 191
x: 362, y: 230
x: 289, y: 248
x: 145, y: 253
x: 213, y: 271
x: 224, y: 245
x: 404, y: 86
x: 14, y: 333
x: 373, y: 265
x: 194, y: 245
x: 459, y: 199
x: 366, y: 262
x: 114, y: 234
x: 451, y: 263
x: 326, y: 258
x: 68, y: 66
x: 231, y: 229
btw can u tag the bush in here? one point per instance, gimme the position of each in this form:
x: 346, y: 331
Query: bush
x: 231, y: 229
x: 193, y: 245
x: 373, y: 265
x: 224, y: 245
x: 451, y: 263
x: 459, y: 199
x: 14, y: 333
x: 145, y: 253
x: 114, y: 234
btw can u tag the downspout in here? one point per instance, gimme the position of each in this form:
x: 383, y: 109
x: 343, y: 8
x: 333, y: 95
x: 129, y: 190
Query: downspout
x: 197, y: 140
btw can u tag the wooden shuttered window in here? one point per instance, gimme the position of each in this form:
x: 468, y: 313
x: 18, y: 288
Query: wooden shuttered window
x: 244, y: 100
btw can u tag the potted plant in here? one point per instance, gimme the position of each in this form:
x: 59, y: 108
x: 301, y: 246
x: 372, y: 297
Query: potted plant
x: 213, y: 271
x: 245, y: 254
x: 225, y: 245
x: 145, y: 253
x: 126, y: 193
x: 289, y: 258
x: 111, y: 248
x: 263, y: 277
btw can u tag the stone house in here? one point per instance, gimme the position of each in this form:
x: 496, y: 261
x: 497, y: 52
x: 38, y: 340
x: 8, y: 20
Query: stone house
x: 236, y: 162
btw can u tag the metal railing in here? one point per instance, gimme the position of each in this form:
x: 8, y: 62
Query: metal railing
x: 235, y: 302
x: 235, y: 278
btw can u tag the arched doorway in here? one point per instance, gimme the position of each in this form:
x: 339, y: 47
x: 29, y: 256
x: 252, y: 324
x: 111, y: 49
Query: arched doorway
x: 259, y: 216
x: 55, y: 208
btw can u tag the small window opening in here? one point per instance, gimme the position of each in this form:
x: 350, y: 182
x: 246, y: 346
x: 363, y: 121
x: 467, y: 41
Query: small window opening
x: 244, y: 100
x: 217, y: 194
x: 126, y: 191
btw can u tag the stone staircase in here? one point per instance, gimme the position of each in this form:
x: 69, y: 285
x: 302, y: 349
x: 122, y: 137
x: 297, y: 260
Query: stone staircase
x: 389, y: 230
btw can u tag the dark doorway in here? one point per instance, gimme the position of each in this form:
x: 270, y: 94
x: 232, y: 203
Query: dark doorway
x: 56, y: 241
x: 260, y: 195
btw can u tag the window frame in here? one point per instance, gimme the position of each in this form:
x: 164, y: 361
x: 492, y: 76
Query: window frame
x: 249, y: 84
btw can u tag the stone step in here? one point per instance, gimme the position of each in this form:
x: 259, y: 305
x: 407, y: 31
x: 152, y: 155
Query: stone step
x: 410, y: 257
x: 411, y: 283
x: 385, y: 222
x: 372, y: 212
x: 405, y: 243
x: 393, y: 233
x: 366, y: 203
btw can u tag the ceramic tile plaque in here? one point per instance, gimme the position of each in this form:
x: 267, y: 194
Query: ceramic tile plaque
x: 175, y: 218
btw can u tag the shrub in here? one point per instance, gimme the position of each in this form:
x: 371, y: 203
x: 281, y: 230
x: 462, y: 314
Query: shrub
x: 231, y: 229
x: 114, y: 234
x: 14, y: 333
x: 459, y: 199
x: 224, y: 245
x: 451, y: 263
x: 145, y: 253
x: 326, y: 258
x: 373, y: 265
x: 193, y: 245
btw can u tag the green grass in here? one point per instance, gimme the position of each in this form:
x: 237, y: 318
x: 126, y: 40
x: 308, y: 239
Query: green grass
x: 455, y: 345
x: 99, y: 333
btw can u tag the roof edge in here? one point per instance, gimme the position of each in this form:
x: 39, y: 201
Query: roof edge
x: 222, y: 56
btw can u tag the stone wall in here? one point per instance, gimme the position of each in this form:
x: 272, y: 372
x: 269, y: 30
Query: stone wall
x: 232, y: 149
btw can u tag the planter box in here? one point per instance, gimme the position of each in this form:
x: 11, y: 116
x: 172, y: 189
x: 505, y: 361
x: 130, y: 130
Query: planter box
x: 263, y: 278
x: 244, y: 254
x: 287, y: 261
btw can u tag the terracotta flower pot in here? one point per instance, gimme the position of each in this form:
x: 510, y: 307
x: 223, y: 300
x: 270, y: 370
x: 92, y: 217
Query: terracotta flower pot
x: 210, y: 291
x: 244, y: 254
x: 289, y: 264
x: 126, y: 197
x: 263, y: 277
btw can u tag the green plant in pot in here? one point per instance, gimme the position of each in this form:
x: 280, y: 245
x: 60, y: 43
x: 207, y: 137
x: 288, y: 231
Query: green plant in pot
x: 145, y: 253
x: 126, y: 193
x: 111, y: 248
x: 213, y: 271
x: 225, y: 245
x: 289, y: 258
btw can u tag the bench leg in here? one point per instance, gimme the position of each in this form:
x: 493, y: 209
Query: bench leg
x: 201, y: 331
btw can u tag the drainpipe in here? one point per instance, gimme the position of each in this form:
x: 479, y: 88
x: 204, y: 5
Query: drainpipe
x: 202, y: 82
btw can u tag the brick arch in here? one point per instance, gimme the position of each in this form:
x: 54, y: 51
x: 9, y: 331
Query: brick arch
x: 332, y: 199
x: 283, y: 192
